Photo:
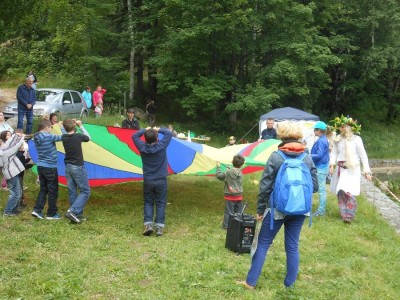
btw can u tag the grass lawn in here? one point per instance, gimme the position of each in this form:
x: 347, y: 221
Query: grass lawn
x: 106, y: 257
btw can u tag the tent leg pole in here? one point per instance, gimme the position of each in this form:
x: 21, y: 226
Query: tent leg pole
x: 249, y: 131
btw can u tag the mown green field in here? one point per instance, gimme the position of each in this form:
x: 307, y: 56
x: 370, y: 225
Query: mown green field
x: 108, y: 258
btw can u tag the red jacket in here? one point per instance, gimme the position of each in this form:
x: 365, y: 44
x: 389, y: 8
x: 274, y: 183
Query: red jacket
x: 98, y: 97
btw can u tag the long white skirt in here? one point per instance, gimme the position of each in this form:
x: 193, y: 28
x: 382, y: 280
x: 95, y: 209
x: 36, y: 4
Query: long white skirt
x: 348, y: 181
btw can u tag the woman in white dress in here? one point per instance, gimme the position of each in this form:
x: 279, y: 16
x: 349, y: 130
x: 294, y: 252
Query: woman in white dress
x: 347, y: 156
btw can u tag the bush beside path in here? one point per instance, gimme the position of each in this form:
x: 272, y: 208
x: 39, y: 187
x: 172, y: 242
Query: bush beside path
x: 7, y: 95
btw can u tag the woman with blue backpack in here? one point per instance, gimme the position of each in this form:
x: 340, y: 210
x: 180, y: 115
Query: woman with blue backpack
x: 284, y: 198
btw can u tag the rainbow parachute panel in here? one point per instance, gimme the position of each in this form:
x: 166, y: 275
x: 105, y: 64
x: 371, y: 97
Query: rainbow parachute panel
x: 111, y: 156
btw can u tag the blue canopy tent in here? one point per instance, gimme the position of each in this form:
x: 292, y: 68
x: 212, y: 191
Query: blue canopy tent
x: 287, y: 114
x: 305, y: 120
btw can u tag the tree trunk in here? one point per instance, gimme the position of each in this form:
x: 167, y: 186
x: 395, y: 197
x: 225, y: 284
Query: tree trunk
x: 132, y: 54
x: 139, y: 76
x: 152, y: 82
x: 233, y: 117
x: 392, y: 96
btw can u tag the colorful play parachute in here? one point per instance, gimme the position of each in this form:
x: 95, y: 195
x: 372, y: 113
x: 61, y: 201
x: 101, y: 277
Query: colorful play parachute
x: 111, y: 156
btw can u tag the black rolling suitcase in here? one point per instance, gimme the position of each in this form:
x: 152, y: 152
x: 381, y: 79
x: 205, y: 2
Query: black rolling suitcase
x: 240, y: 232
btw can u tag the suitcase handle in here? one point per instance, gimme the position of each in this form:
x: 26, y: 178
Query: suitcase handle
x: 244, y: 207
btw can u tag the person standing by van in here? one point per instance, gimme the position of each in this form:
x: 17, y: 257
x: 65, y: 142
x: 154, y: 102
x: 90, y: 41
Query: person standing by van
x: 26, y: 96
x: 87, y: 96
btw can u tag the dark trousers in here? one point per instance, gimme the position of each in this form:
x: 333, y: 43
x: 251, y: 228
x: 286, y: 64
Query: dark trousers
x: 231, y: 207
x: 29, y: 119
x: 48, y: 178
x: 151, y: 119
x: 155, y: 192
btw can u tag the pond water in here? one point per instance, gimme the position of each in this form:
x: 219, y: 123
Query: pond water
x: 393, y: 175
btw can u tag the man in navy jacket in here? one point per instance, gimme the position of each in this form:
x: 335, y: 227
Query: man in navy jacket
x: 26, y: 96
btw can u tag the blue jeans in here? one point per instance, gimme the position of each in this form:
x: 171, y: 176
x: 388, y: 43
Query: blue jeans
x: 14, y: 186
x: 322, y: 174
x: 155, y: 192
x: 77, y: 178
x: 48, y: 178
x: 293, y: 226
x: 29, y: 119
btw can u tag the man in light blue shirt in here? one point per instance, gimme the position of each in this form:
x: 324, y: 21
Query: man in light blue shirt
x: 320, y: 157
x: 87, y: 96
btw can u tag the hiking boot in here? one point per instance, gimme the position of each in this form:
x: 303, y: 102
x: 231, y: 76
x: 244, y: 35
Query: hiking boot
x: 37, y: 215
x: 56, y: 216
x: 74, y: 219
x: 148, y: 230
x: 159, y: 231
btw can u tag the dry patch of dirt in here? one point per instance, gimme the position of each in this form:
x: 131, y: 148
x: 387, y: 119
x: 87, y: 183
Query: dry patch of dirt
x: 7, y: 96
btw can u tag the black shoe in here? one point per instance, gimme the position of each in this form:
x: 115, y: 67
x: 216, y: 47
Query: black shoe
x: 159, y: 231
x: 148, y: 230
x: 74, y: 219
x: 37, y: 214
x: 82, y: 217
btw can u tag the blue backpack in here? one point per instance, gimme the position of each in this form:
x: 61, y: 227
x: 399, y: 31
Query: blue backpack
x: 293, y: 189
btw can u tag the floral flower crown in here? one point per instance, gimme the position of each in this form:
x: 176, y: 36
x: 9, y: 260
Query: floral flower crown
x: 338, y: 122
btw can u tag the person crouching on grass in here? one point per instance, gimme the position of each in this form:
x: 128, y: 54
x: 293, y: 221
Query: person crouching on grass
x: 75, y: 171
x: 11, y: 167
x: 155, y: 171
x: 233, y: 189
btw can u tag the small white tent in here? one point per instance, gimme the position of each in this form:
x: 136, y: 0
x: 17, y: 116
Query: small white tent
x: 305, y: 120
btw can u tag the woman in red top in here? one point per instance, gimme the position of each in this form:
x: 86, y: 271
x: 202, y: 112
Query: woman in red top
x: 98, y: 96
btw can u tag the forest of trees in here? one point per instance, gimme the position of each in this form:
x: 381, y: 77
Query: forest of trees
x: 226, y: 59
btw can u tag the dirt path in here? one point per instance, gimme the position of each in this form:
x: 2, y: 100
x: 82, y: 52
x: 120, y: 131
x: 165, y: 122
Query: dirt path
x: 6, y: 96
